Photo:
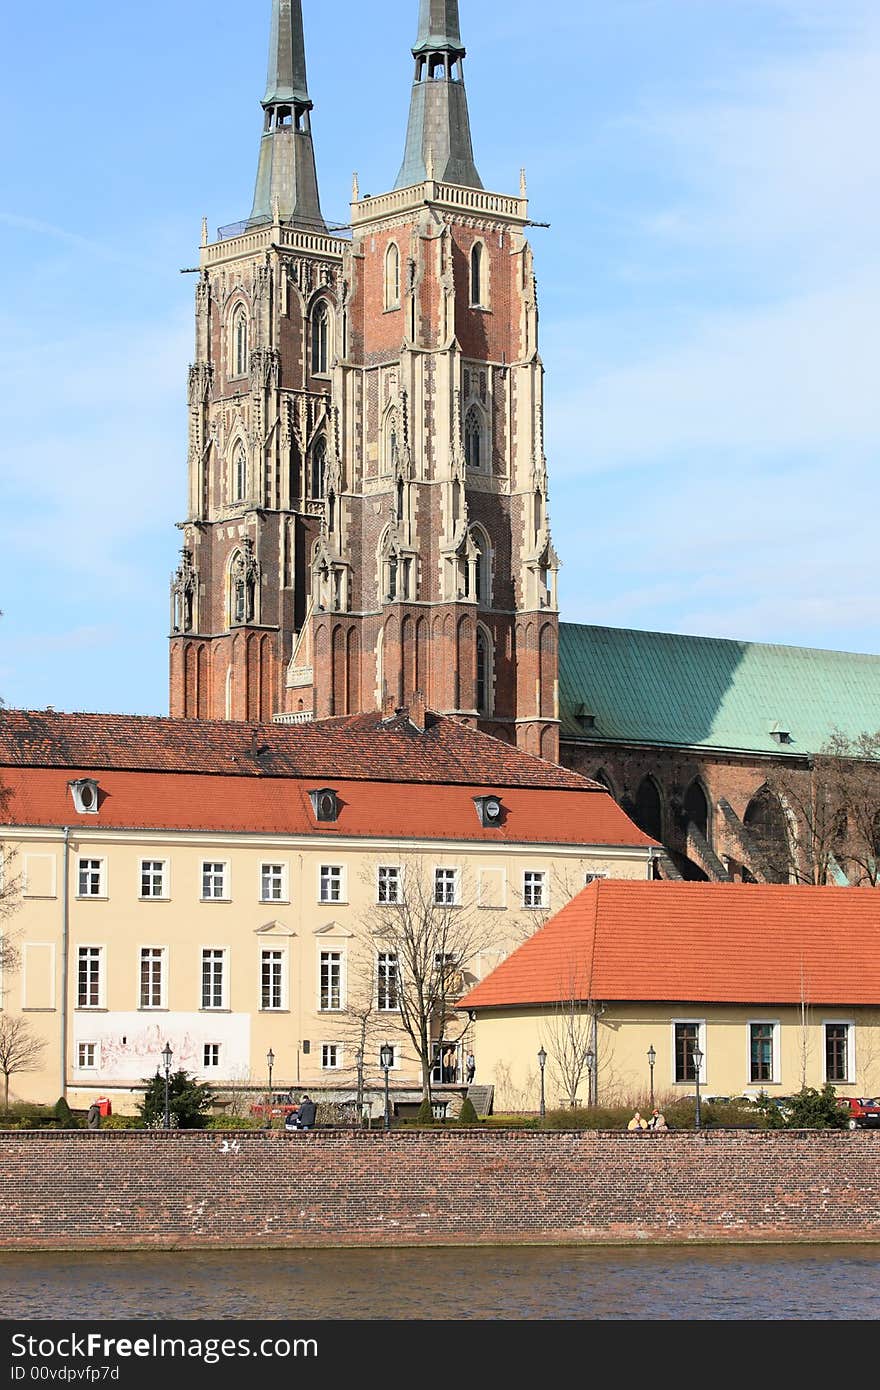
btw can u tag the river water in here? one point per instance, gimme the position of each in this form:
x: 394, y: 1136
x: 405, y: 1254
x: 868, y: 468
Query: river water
x: 725, y: 1283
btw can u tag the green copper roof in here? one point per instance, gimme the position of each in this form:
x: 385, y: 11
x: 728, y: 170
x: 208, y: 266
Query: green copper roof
x: 659, y: 688
x: 286, y: 80
x: 438, y: 27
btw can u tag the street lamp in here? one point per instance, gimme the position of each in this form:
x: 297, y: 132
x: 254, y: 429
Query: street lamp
x: 386, y: 1062
x: 652, y: 1057
x: 698, y: 1062
x: 359, y: 1059
x: 167, y: 1054
x: 590, y: 1059
x: 270, y: 1062
x: 542, y: 1062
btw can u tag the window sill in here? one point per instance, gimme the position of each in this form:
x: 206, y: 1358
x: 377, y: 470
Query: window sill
x: 215, y: 900
x: 91, y: 1009
x: 480, y: 308
x: 391, y: 309
x: 153, y: 898
x: 274, y: 902
x: 215, y: 1009
x: 92, y: 898
x: 152, y: 1009
x: 269, y: 1011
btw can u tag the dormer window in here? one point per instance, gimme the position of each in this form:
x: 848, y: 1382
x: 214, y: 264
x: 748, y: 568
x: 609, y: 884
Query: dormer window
x: 325, y: 804
x: 781, y: 735
x: 85, y: 795
x: 489, y: 810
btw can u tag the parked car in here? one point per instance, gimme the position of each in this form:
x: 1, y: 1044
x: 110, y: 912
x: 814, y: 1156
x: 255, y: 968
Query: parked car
x: 277, y: 1106
x: 863, y: 1113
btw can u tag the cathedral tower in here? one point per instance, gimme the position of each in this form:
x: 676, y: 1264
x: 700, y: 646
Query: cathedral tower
x: 368, y: 488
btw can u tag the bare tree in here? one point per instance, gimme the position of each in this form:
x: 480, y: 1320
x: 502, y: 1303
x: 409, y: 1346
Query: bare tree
x: 363, y: 1025
x: 20, y: 1049
x: 571, y: 1032
x: 431, y: 930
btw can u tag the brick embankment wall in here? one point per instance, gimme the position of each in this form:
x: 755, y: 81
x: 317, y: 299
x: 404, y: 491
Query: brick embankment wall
x: 130, y: 1189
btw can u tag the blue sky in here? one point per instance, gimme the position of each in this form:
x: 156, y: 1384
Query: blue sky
x: 709, y: 289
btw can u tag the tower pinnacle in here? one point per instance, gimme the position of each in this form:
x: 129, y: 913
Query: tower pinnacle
x: 439, y: 132
x: 286, y: 175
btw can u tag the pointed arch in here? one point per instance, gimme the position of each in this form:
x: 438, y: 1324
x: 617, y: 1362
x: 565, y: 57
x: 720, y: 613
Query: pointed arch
x: 392, y: 276
x: 476, y: 438
x: 322, y: 337
x: 239, y: 341
x: 239, y: 472
x: 479, y: 267
x: 482, y: 567
x: 767, y: 823
x: 318, y: 470
x: 392, y: 440
x: 604, y: 779
x: 485, y: 701
x: 648, y: 811
x: 696, y: 807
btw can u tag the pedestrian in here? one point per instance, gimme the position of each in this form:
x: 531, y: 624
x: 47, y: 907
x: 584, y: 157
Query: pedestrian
x: 93, y: 1120
x: 657, y: 1120
x: 307, y: 1113
x: 471, y: 1065
x: 637, y: 1123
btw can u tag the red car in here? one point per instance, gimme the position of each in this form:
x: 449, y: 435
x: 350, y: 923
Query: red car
x: 279, y: 1107
x: 863, y: 1113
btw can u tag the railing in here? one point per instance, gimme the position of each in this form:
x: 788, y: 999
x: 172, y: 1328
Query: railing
x: 451, y: 194
x: 300, y: 717
x: 239, y: 238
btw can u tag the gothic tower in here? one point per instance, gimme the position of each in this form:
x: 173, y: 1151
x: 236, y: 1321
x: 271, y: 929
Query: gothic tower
x: 368, y: 488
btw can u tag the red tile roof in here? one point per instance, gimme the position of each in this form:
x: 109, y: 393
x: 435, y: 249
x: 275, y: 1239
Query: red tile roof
x: 214, y: 788
x: 697, y: 943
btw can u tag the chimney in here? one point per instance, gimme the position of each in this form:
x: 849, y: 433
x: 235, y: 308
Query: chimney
x: 417, y: 711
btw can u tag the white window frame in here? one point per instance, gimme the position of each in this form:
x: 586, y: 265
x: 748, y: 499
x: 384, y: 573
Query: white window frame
x: 158, y: 955
x: 339, y: 1050
x: 223, y: 866
x: 211, y: 1065
x: 397, y: 871
x: 445, y: 869
x: 282, y: 876
x: 223, y: 954
x: 775, y: 1052
x: 701, y: 1040
x: 849, y: 1024
x: 341, y: 963
x: 397, y: 1053
x: 164, y: 894
x: 97, y: 955
x: 539, y: 878
x: 101, y: 876
x: 95, y: 1063
x: 389, y: 956
x: 267, y: 952
x: 328, y: 869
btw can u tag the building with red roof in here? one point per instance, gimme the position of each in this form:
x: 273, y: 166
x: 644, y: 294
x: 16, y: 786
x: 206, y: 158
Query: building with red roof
x: 776, y: 985
x: 214, y: 885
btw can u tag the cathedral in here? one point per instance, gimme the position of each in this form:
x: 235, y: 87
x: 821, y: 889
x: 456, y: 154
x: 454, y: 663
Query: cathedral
x: 367, y: 520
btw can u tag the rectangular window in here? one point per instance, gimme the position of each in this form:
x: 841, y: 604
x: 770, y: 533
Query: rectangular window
x: 272, y: 979
x: 331, y: 980
x: 213, y: 978
x: 272, y: 883
x: 88, y: 982
x: 687, y: 1037
x: 152, y: 961
x: 445, y: 886
x: 153, y: 878
x: 534, y: 885
x: 331, y: 883
x: 395, y: 1048
x: 211, y: 1055
x: 760, y: 1052
x: 836, y: 1052
x: 386, y: 968
x: 389, y: 884
x: 90, y: 878
x: 331, y: 1056
x: 87, y: 1056
x: 213, y: 880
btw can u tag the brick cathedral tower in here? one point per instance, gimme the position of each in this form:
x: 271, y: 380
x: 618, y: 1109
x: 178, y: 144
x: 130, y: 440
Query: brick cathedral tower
x: 368, y: 516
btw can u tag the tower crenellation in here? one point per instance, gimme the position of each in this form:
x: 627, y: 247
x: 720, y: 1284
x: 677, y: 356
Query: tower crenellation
x: 368, y: 514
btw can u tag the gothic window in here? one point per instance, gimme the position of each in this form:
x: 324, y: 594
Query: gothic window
x: 482, y: 568
x: 320, y: 339
x: 539, y: 512
x: 331, y: 512
x: 473, y: 439
x: 392, y: 277
x: 242, y: 588
x: 392, y: 443
x: 319, y: 468
x: 478, y: 286
x: 239, y: 353
x: 649, y: 811
x: 484, y: 672
x: 239, y: 475
x: 696, y: 808
x: 765, y: 820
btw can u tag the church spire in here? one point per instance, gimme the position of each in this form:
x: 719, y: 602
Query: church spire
x: 438, y: 140
x: 287, y: 183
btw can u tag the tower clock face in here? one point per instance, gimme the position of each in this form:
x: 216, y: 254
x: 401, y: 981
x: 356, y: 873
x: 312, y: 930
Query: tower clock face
x: 493, y: 808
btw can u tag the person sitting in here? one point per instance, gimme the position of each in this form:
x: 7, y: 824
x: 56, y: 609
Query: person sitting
x: 291, y: 1119
x: 637, y: 1123
x: 657, y: 1120
x: 308, y: 1111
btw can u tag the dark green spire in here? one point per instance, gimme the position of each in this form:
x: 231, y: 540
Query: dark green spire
x: 287, y: 180
x: 438, y: 140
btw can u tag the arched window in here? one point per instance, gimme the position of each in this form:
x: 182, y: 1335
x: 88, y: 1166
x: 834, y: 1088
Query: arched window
x: 239, y: 475
x: 477, y: 274
x: 482, y: 568
x: 765, y: 820
x: 474, y: 450
x: 484, y: 672
x: 320, y: 339
x: 392, y: 277
x: 648, y: 810
x: 319, y: 467
x: 696, y: 808
x: 239, y: 353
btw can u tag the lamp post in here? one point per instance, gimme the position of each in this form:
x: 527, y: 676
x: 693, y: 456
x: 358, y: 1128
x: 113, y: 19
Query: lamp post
x: 652, y: 1057
x: 167, y: 1054
x: 386, y: 1061
x: 542, y: 1062
x: 359, y: 1059
x: 270, y: 1062
x: 698, y: 1062
x: 590, y: 1059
